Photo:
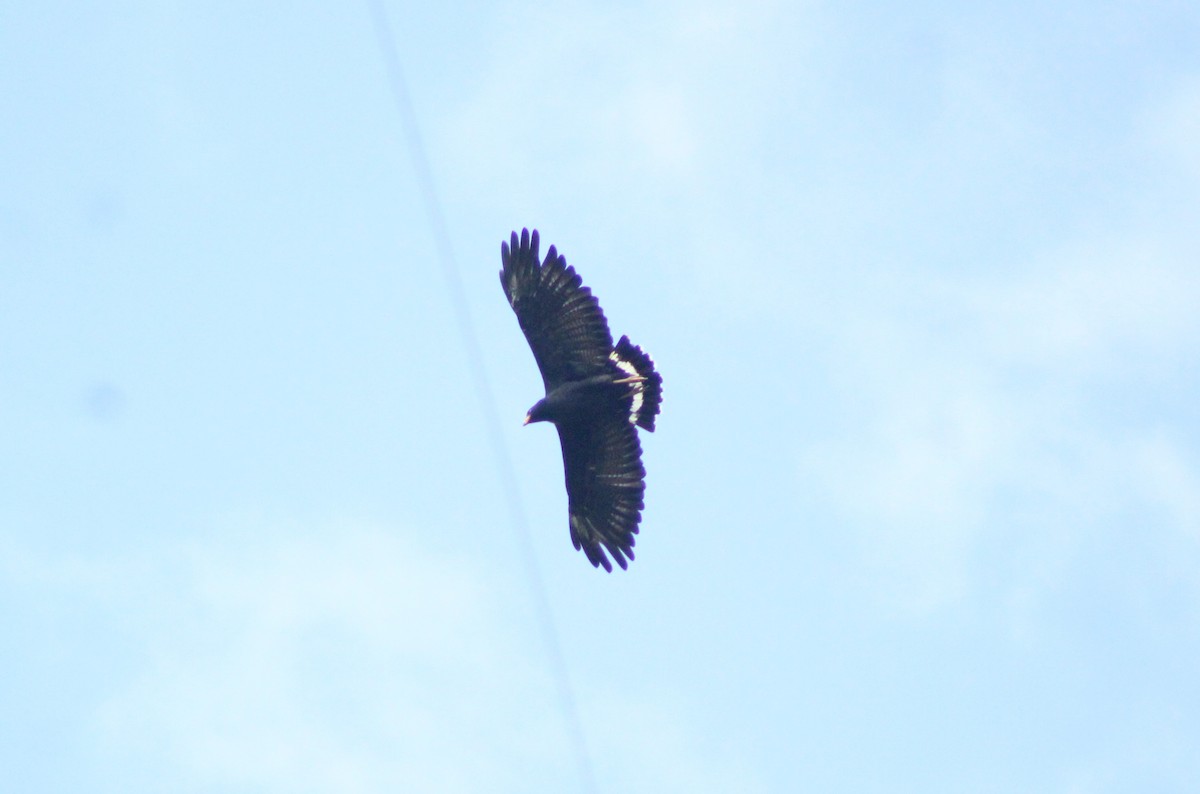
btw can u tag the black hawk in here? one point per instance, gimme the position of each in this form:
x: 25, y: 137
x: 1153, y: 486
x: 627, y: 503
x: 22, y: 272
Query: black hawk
x: 597, y: 395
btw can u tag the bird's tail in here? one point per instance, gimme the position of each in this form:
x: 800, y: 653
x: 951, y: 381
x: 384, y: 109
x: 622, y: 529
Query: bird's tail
x: 647, y: 391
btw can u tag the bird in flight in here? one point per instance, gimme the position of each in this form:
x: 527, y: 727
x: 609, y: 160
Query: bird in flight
x: 597, y: 395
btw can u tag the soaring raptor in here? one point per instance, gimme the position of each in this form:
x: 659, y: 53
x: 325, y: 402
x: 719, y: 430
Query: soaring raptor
x: 597, y: 395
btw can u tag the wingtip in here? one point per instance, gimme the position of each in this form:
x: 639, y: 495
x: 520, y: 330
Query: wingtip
x: 622, y: 556
x: 526, y: 241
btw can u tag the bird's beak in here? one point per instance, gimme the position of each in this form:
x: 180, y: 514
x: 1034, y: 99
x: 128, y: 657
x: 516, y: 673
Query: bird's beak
x: 527, y: 420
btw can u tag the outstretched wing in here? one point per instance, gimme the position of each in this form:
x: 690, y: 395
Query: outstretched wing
x: 605, y: 484
x: 560, y: 317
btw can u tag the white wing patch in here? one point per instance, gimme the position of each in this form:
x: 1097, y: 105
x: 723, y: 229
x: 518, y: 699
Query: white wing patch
x: 636, y: 387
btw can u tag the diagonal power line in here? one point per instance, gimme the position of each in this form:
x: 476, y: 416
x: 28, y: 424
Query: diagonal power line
x: 483, y: 391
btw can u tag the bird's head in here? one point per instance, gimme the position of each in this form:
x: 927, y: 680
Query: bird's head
x: 538, y: 413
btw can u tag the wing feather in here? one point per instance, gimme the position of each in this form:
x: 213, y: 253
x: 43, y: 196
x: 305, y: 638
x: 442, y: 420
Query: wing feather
x: 560, y: 317
x: 606, y: 483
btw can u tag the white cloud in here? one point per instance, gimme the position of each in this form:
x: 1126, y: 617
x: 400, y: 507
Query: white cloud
x: 1173, y: 126
x: 343, y: 660
x: 660, y: 752
x: 1169, y: 481
x: 600, y: 105
x: 1092, y: 305
x: 912, y: 482
x: 276, y: 656
x: 980, y: 416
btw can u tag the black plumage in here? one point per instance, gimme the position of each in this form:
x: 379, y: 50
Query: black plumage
x: 597, y: 395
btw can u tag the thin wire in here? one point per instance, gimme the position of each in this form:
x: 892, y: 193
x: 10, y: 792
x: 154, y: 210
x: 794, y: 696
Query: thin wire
x: 483, y: 392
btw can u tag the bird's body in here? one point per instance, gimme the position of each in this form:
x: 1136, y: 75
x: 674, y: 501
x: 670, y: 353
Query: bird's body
x: 597, y: 394
x: 576, y: 400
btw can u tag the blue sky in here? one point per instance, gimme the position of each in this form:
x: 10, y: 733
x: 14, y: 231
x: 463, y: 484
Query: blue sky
x: 923, y: 508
